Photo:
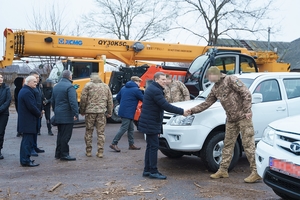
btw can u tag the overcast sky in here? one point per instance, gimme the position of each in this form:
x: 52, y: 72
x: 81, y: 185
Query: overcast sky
x: 16, y: 14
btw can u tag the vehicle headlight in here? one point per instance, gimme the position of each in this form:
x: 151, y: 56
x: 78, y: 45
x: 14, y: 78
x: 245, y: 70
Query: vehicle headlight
x: 182, y: 120
x: 269, y: 136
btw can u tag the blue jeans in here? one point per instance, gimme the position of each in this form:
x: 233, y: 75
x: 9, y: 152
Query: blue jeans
x: 26, y: 147
x: 151, y: 153
x: 127, y: 125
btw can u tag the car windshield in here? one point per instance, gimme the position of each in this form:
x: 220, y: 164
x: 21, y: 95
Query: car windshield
x: 204, y: 94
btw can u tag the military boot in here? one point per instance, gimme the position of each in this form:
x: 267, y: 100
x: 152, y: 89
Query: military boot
x: 88, y: 154
x: 220, y: 174
x: 100, y: 154
x: 252, y: 178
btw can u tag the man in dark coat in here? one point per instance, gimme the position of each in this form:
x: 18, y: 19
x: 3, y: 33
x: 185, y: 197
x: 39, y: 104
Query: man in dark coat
x: 150, y: 122
x: 65, y: 106
x: 128, y: 98
x: 5, y: 99
x: 19, y: 81
x: 39, y: 98
x: 28, y: 114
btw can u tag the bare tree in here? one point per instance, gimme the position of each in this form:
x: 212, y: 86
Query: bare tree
x: 224, y: 17
x: 52, y: 18
x: 131, y: 19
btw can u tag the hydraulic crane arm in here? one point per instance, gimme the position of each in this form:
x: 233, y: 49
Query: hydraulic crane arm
x: 41, y: 43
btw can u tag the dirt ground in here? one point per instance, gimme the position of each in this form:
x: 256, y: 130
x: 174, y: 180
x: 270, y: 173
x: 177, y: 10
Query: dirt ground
x: 116, y: 176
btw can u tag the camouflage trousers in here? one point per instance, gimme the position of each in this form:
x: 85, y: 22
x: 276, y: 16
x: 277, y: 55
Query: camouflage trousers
x: 233, y: 129
x: 99, y: 121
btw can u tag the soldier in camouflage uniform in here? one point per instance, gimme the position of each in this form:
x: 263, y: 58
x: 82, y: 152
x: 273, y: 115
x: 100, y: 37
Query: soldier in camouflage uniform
x: 96, y: 104
x: 175, y: 91
x: 236, y: 101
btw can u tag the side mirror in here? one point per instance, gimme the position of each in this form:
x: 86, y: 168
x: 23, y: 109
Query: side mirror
x: 257, y: 98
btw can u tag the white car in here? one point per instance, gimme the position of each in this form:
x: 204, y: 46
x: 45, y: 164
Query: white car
x: 274, y: 96
x: 278, y: 157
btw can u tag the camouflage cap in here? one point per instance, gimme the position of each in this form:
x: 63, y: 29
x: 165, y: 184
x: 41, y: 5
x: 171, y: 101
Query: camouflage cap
x: 136, y: 78
x: 213, y: 70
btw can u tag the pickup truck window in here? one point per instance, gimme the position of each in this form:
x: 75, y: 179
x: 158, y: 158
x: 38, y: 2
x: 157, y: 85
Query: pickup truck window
x: 292, y: 87
x: 270, y: 90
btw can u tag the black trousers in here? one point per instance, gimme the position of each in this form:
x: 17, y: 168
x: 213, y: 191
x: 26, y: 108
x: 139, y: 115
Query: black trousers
x: 63, y: 137
x: 3, y: 123
x: 151, y: 153
x: 47, y: 109
x: 26, y: 147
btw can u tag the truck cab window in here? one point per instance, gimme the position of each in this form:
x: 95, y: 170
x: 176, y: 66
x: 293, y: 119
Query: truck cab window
x: 247, y: 64
x: 81, y: 69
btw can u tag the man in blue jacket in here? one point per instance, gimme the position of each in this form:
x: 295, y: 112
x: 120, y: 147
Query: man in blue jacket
x: 65, y: 106
x: 28, y: 114
x: 128, y: 97
x: 150, y: 122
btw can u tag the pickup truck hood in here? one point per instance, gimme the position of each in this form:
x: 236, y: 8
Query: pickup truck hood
x: 193, y: 103
x: 288, y: 124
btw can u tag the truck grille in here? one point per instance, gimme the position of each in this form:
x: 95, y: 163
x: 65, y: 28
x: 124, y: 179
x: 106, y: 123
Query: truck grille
x: 282, y: 182
x: 284, y: 141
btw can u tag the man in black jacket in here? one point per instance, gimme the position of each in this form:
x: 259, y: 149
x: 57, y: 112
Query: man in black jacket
x: 65, y: 106
x: 47, y: 92
x: 5, y: 99
x: 150, y: 122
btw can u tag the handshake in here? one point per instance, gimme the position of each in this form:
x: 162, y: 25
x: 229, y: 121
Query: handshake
x: 187, y: 112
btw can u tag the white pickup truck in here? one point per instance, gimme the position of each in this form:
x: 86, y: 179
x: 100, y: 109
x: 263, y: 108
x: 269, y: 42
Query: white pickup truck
x: 274, y: 96
x: 278, y: 157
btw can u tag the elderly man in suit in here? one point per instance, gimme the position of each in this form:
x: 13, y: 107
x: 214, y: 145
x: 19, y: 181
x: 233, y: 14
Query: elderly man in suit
x: 28, y: 114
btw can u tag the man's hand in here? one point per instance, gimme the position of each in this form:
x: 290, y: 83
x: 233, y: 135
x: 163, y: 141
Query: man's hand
x: 75, y: 118
x: 248, y: 115
x: 108, y: 115
x: 187, y: 112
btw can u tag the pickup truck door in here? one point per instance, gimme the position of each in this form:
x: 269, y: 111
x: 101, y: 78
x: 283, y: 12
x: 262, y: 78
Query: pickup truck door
x: 292, y: 91
x: 272, y: 107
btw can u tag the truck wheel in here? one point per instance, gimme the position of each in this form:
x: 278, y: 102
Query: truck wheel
x: 171, y: 154
x: 114, y: 117
x: 211, y: 153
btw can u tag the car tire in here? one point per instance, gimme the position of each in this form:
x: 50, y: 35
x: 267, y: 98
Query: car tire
x: 114, y: 117
x: 211, y: 153
x: 172, y: 154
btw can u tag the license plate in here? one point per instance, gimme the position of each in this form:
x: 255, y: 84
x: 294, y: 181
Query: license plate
x: 285, y: 167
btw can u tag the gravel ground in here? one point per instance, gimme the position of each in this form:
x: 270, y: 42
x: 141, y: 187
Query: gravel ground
x: 116, y: 176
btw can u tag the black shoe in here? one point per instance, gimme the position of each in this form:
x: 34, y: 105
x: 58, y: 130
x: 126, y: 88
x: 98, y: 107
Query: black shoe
x: 39, y: 133
x: 19, y: 134
x: 34, y: 153
x: 57, y: 157
x: 157, y: 176
x: 38, y: 150
x: 50, y: 133
x: 68, y: 158
x: 30, y: 164
x: 146, y: 174
x: 1, y: 156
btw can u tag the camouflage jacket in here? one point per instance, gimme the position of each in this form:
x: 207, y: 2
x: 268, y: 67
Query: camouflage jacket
x: 232, y: 94
x: 96, y: 97
x: 176, y: 91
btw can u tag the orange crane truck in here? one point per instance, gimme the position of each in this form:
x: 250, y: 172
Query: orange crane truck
x: 86, y: 55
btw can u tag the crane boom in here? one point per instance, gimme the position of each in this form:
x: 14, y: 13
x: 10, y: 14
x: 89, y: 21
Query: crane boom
x: 45, y: 43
